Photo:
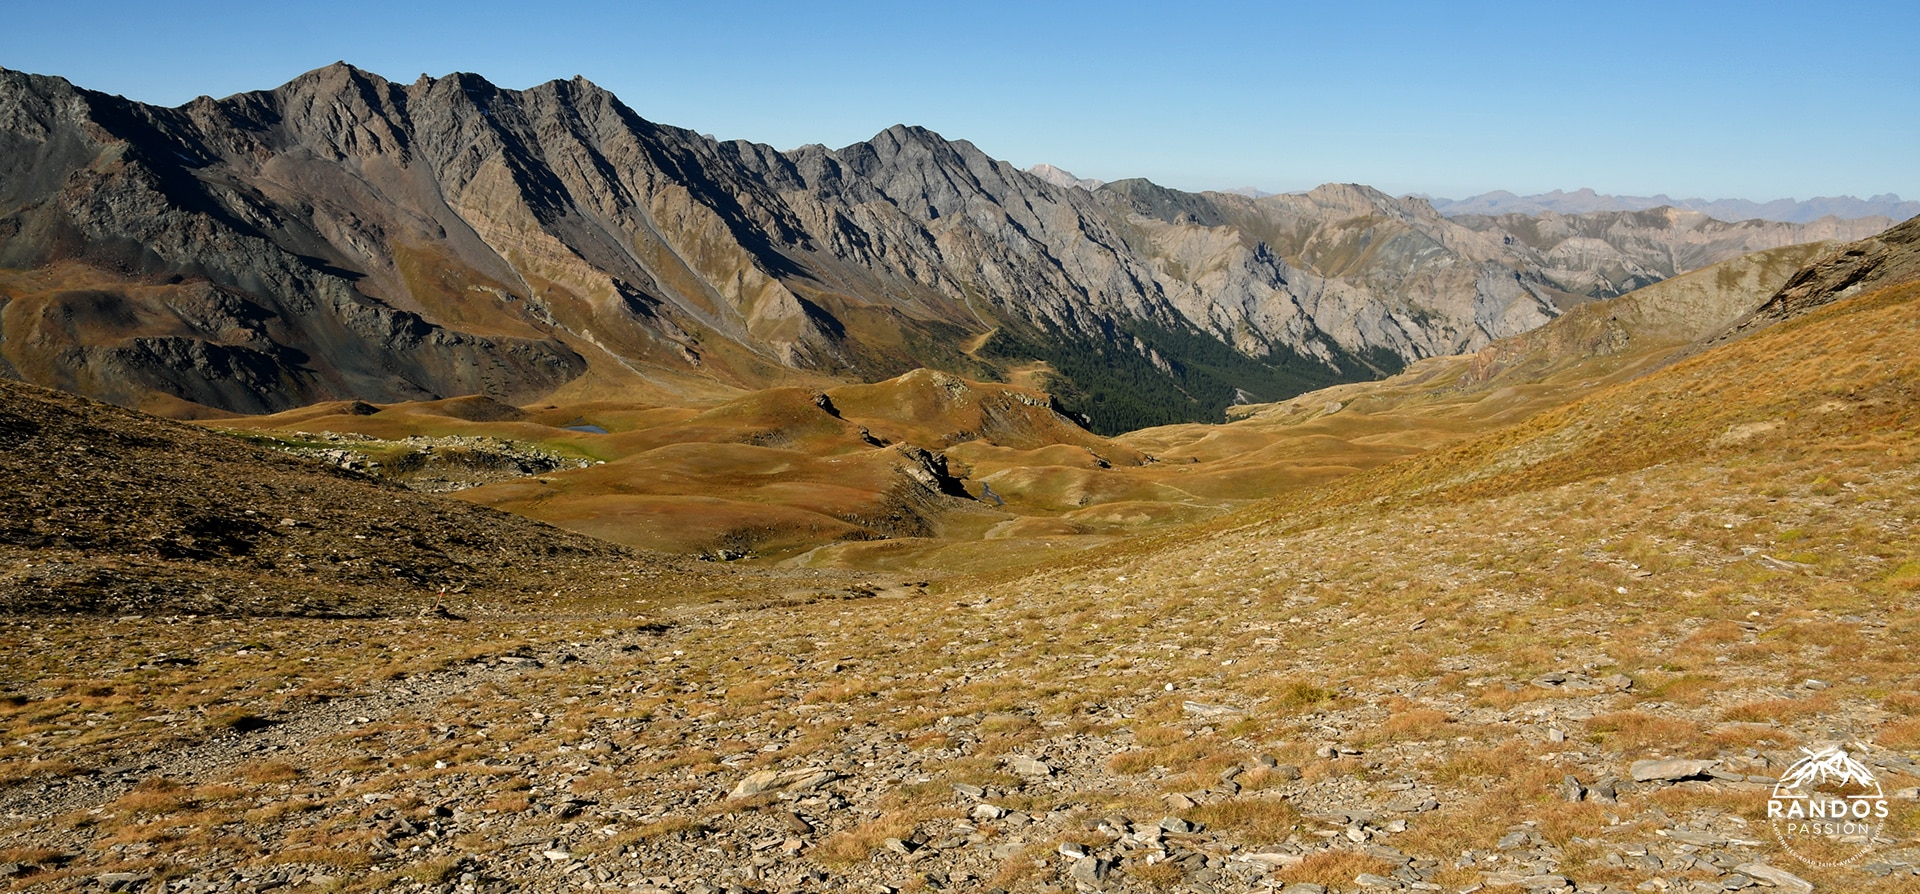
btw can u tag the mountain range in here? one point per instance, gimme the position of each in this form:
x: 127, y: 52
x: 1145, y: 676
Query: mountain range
x: 1584, y: 201
x: 348, y: 237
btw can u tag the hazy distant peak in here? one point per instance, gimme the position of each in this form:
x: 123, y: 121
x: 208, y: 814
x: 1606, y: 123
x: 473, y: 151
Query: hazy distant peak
x: 1586, y: 201
x: 1064, y: 179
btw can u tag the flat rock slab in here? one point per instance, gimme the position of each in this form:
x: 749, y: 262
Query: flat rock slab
x: 1671, y: 770
x: 1022, y: 765
x: 1204, y: 710
x: 804, y: 779
x: 1778, y: 878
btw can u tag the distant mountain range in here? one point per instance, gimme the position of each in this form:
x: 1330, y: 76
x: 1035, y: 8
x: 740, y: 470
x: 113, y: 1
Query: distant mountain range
x: 1586, y: 201
x: 348, y: 237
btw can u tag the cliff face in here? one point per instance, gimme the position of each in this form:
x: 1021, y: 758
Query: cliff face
x: 343, y: 236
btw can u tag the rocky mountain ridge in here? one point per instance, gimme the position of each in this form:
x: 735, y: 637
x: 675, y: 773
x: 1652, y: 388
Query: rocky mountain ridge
x: 348, y: 237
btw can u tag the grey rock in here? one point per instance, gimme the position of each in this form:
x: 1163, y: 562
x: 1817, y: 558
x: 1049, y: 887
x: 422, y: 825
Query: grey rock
x: 1571, y: 790
x: 1022, y: 765
x: 1670, y: 770
x: 1089, y: 870
x: 804, y: 779
x: 1209, y: 712
x: 1006, y: 850
x: 1775, y: 877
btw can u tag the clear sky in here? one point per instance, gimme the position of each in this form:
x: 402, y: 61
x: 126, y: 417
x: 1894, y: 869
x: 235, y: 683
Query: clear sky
x: 1757, y: 100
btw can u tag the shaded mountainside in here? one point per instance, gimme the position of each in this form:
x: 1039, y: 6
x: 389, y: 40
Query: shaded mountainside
x: 346, y: 237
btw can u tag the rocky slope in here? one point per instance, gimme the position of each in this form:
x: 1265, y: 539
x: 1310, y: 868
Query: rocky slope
x: 347, y: 237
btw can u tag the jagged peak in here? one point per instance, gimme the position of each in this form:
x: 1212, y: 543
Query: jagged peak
x: 576, y: 86
x: 912, y: 131
x: 341, y: 72
x: 340, y: 81
x: 470, y: 81
x: 901, y: 135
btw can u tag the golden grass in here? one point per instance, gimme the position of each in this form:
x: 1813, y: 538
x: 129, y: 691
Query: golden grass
x: 856, y: 844
x: 1336, y: 869
x: 1249, y: 818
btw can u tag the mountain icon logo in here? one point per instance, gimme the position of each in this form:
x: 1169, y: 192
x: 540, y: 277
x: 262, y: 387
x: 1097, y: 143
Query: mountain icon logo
x: 1830, y: 768
x: 1827, y: 809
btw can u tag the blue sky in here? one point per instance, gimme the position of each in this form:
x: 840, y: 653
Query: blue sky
x: 1752, y: 100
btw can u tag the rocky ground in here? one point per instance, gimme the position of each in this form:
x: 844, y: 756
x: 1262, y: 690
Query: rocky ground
x: 1421, y: 701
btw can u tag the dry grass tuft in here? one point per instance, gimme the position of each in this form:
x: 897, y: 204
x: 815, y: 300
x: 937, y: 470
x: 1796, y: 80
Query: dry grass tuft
x: 1336, y: 869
